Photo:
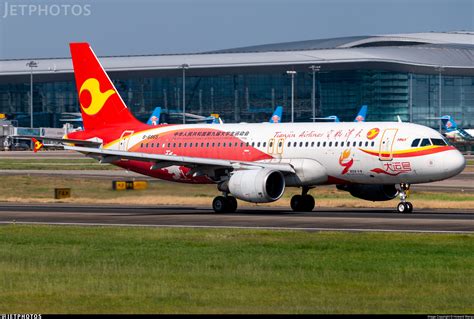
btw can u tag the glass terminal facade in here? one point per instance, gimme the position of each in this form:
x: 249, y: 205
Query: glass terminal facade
x: 251, y: 97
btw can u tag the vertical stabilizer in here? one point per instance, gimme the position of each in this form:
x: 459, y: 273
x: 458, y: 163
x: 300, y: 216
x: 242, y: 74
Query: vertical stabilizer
x: 101, y: 105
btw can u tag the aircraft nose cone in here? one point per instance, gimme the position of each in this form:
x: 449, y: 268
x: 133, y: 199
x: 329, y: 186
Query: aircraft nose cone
x: 456, y: 163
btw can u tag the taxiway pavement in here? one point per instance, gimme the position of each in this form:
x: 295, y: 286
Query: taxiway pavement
x: 321, y: 219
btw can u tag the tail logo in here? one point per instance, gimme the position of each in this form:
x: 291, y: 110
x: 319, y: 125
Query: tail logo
x: 93, y: 102
x: 37, y: 145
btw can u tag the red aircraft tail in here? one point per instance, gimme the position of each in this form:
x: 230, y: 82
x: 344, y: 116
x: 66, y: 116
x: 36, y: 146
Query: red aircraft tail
x: 101, y: 104
x: 37, y: 145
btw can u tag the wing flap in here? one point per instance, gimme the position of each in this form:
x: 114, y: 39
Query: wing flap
x: 92, y: 143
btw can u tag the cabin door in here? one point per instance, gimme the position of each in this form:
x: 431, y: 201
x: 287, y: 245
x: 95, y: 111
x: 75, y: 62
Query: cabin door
x: 124, y: 140
x: 386, y: 144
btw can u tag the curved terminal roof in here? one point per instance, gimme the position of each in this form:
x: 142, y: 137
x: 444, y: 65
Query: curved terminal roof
x: 407, y: 39
x: 430, y: 53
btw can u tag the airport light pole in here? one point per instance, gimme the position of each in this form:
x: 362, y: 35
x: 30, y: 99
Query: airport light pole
x: 440, y: 69
x: 184, y: 67
x: 292, y: 73
x: 314, y: 68
x: 31, y: 65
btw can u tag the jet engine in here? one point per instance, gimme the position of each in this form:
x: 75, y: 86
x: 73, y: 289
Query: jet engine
x: 370, y: 192
x: 257, y: 185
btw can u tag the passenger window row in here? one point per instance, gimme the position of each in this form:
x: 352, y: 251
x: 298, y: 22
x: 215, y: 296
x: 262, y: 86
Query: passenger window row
x: 330, y: 144
x: 191, y: 144
x: 259, y: 144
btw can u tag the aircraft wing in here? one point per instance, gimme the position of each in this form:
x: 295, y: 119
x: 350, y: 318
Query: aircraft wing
x: 201, y: 119
x: 330, y: 118
x: 469, y: 131
x: 79, y: 119
x: 190, y: 115
x: 91, y: 143
x: 162, y: 161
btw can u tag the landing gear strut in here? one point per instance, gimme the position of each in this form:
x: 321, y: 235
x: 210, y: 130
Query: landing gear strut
x: 404, y: 207
x: 303, y: 202
x: 224, y: 204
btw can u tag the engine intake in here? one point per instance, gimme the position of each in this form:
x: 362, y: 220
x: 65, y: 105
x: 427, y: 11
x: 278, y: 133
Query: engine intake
x: 257, y: 185
x: 372, y: 192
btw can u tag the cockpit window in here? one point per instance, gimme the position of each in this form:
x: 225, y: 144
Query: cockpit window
x: 425, y: 142
x: 415, y: 142
x: 438, y: 141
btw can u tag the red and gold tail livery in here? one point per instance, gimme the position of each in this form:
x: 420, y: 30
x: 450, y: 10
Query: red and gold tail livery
x: 37, y: 145
x: 101, y: 104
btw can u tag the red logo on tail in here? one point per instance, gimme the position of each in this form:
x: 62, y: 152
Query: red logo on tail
x: 97, y: 98
x: 37, y: 145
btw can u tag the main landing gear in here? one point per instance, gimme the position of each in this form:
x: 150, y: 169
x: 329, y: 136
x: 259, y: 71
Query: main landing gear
x: 303, y: 202
x: 404, y: 207
x: 224, y: 204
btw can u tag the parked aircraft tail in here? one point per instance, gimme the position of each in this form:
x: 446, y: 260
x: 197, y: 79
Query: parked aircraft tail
x: 155, y: 117
x: 362, y: 114
x: 277, y: 114
x: 448, y: 123
x: 37, y: 145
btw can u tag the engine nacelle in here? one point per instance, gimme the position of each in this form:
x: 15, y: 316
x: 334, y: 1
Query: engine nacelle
x: 257, y: 185
x: 370, y: 192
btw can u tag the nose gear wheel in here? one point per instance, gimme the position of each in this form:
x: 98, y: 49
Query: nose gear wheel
x: 404, y: 207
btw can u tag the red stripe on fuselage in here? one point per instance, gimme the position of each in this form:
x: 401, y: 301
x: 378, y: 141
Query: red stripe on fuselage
x: 193, y: 143
x: 221, y: 146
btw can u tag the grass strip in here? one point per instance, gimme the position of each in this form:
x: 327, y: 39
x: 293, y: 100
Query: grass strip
x: 34, y: 188
x: 59, y: 269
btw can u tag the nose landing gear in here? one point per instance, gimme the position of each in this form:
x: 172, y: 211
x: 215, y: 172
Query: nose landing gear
x: 404, y: 207
x: 303, y: 202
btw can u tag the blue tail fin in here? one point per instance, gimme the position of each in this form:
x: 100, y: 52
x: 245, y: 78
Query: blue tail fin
x: 214, y: 119
x: 276, y: 116
x: 448, y: 123
x: 155, y: 117
x: 362, y: 114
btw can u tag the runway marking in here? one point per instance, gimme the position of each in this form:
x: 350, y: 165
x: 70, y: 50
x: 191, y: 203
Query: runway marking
x: 246, y: 227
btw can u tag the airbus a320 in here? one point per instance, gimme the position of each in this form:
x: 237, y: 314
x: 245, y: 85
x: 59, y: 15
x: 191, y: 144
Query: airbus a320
x: 375, y: 161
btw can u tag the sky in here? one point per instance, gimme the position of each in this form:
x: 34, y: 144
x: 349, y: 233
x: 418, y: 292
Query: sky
x: 42, y: 29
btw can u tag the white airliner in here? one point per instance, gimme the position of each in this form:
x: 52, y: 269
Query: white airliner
x: 374, y: 161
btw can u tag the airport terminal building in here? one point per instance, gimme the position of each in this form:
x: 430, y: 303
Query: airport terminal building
x: 415, y: 76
